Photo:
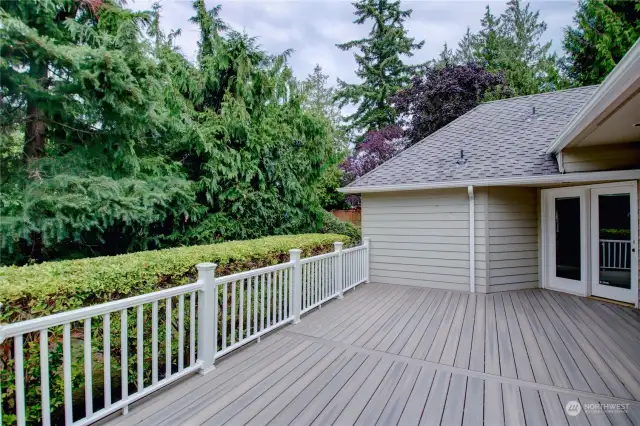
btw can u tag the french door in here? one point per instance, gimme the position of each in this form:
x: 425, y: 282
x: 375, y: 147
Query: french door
x: 614, y: 258
x: 590, y: 240
x: 566, y: 219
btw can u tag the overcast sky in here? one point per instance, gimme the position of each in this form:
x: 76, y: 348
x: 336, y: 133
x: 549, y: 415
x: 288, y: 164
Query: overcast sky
x: 313, y: 27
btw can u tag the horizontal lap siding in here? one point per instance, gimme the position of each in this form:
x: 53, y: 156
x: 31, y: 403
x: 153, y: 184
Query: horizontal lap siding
x: 421, y: 238
x: 512, y: 215
x: 599, y: 158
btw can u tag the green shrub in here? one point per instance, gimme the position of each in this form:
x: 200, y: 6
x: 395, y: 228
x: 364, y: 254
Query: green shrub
x: 333, y: 225
x: 39, y: 290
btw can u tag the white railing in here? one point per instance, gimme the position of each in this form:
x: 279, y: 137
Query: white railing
x: 615, y: 254
x: 231, y: 311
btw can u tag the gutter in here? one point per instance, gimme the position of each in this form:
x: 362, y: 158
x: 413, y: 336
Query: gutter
x: 472, y: 240
x: 579, y: 177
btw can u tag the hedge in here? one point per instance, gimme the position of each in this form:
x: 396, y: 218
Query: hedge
x: 47, y: 288
x: 40, y: 290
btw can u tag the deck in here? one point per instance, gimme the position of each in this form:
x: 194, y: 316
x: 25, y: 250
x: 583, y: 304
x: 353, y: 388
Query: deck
x: 403, y: 355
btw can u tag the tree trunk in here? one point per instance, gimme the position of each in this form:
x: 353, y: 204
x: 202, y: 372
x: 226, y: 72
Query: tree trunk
x: 34, y: 145
x: 35, y: 129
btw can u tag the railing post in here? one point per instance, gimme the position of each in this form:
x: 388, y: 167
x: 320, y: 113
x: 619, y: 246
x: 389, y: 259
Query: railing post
x: 366, y: 241
x: 337, y: 246
x: 296, y: 290
x: 207, y: 316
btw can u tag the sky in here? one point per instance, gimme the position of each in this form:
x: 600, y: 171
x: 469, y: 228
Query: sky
x: 313, y: 27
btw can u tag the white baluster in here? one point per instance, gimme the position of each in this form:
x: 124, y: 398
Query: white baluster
x: 140, y: 345
x: 262, y: 302
x: 124, y: 362
x: 181, y: 332
x: 224, y: 316
x: 106, y: 337
x: 192, y: 328
x: 18, y: 342
x: 44, y: 377
x: 66, y: 367
x: 233, y: 312
x: 154, y: 342
x: 168, y: 350
x: 88, y: 372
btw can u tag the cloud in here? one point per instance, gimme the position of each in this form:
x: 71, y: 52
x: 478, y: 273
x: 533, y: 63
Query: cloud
x: 313, y: 27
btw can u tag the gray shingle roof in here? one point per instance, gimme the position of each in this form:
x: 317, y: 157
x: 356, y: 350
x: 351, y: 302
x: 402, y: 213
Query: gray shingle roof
x: 500, y: 139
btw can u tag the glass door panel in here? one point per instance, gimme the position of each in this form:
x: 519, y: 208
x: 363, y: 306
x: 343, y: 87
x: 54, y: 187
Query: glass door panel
x: 568, y: 264
x: 566, y: 239
x: 613, y: 246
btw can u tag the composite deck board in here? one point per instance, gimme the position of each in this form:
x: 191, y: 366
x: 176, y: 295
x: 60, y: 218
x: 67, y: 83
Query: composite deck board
x: 401, y: 355
x: 570, y: 366
x: 549, y: 355
x: 463, y: 353
x: 401, y: 339
x: 535, y: 357
x: 615, y: 376
x: 570, y: 340
x: 505, y: 349
x: 389, y: 331
x: 476, y: 361
x: 450, y: 349
x: 398, y: 400
x: 524, y: 369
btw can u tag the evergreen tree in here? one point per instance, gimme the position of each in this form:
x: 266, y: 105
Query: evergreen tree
x: 603, y: 32
x: 319, y: 100
x: 445, y: 58
x: 130, y: 146
x: 79, y: 83
x: 465, y: 52
x: 489, y: 42
x: 380, y: 66
x: 511, y: 44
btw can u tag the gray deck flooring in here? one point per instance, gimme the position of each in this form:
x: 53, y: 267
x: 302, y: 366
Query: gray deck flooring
x: 399, y: 355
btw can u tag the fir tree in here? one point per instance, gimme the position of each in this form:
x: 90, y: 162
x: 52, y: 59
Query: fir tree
x: 446, y: 57
x: 464, y: 53
x: 489, y: 42
x: 380, y: 66
x: 603, y: 31
x: 511, y: 44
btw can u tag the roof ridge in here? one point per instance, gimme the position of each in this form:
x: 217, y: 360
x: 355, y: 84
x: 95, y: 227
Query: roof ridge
x: 540, y: 94
x: 414, y: 146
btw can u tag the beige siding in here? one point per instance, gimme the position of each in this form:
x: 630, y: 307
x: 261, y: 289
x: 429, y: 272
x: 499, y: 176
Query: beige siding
x: 513, y: 238
x: 598, y: 158
x: 421, y: 238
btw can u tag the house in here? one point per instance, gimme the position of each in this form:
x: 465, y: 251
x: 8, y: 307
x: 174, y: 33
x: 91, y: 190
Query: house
x: 533, y: 191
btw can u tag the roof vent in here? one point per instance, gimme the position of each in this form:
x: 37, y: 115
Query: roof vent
x: 461, y: 161
x: 533, y: 115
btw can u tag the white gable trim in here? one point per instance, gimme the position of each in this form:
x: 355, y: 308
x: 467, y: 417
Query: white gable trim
x: 568, y: 178
x: 621, y: 83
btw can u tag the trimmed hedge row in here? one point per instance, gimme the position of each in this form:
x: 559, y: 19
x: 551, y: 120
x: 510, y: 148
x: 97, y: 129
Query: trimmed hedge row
x: 39, y: 290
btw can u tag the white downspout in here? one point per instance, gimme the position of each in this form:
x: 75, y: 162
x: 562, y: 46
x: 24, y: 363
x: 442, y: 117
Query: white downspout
x: 472, y: 241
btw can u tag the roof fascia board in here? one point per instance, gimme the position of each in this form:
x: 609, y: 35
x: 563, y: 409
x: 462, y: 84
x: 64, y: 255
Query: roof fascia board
x: 615, y: 86
x: 513, y: 181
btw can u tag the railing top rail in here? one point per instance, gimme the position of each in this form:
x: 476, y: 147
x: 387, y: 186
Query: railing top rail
x: 356, y: 248
x: 616, y: 241
x: 318, y: 257
x: 252, y: 273
x: 28, y: 326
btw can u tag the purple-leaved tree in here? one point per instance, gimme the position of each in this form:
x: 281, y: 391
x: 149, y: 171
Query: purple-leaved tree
x: 443, y: 94
x: 376, y: 148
